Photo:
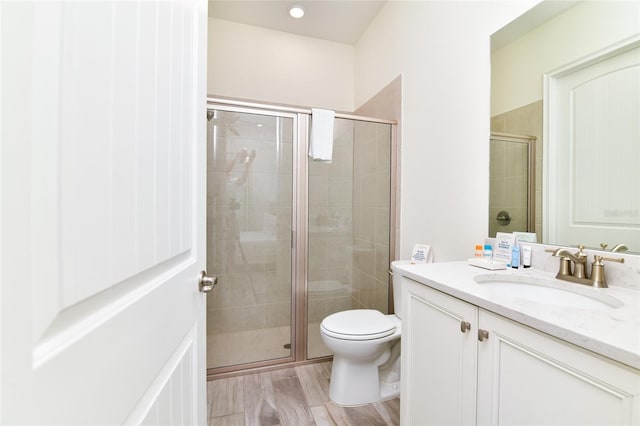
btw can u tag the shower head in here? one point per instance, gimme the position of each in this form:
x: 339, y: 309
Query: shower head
x: 224, y: 122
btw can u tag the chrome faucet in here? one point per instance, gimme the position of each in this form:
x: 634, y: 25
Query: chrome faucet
x: 579, y: 260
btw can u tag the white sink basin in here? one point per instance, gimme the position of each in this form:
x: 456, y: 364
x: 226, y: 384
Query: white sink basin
x: 550, y: 292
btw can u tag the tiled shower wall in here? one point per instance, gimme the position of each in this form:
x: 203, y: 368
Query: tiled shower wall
x: 526, y: 120
x: 372, y: 171
x: 330, y: 263
x: 387, y: 105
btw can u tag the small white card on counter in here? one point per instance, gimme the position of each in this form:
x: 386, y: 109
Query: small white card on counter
x: 421, y: 254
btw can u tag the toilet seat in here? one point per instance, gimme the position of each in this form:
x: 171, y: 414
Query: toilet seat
x: 358, y: 324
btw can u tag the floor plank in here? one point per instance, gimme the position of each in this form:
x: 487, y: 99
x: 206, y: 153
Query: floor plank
x: 290, y: 396
x: 260, y: 404
x: 291, y: 403
x: 226, y: 396
x: 364, y: 415
x: 314, y: 379
x: 338, y: 414
x: 389, y: 410
x: 230, y: 420
x: 321, y: 416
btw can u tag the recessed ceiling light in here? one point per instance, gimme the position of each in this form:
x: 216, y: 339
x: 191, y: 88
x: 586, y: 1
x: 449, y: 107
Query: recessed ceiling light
x: 296, y: 11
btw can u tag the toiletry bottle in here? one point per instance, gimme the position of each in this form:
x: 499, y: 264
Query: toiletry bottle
x: 479, y: 251
x: 488, y: 252
x: 515, y: 256
x: 526, y: 256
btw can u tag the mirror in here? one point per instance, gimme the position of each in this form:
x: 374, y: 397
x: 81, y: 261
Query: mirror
x: 546, y: 43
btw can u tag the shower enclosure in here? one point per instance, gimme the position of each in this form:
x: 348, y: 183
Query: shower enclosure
x: 291, y: 240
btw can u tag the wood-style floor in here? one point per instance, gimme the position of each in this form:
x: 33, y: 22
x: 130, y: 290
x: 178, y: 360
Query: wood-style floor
x: 291, y: 396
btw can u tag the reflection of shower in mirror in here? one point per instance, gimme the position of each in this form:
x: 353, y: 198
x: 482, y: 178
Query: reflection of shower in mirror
x: 512, y: 180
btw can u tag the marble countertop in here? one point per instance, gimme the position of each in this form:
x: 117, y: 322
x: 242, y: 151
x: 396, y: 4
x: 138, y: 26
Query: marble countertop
x: 609, y: 331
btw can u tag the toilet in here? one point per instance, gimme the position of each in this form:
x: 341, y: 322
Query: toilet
x: 366, y: 353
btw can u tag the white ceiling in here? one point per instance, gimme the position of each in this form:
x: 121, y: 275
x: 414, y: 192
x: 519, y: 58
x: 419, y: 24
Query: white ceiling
x: 342, y: 21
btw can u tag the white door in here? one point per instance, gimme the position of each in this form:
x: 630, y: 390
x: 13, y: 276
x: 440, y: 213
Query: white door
x: 594, y: 151
x: 102, y: 219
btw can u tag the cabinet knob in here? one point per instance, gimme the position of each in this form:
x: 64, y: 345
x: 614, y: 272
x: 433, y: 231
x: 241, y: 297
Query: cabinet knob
x: 482, y: 335
x: 465, y: 326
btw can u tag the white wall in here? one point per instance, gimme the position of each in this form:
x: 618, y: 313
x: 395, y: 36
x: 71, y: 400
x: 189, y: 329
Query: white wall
x: 255, y: 63
x: 442, y: 50
x: 518, y: 68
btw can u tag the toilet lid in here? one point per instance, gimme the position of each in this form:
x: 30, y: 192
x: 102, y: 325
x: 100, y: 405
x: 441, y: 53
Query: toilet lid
x: 358, y: 324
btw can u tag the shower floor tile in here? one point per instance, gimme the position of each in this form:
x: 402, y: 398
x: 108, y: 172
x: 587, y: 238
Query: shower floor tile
x: 241, y: 347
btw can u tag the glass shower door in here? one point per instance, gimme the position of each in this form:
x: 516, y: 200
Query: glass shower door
x: 249, y: 229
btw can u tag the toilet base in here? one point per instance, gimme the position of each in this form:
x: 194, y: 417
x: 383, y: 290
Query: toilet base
x: 359, y: 383
x: 390, y: 379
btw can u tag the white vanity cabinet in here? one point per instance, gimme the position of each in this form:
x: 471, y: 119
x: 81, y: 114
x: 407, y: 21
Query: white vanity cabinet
x: 439, y: 358
x: 514, y: 375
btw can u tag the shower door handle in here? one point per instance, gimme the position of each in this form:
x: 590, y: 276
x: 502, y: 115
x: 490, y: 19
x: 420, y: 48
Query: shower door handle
x: 206, y: 283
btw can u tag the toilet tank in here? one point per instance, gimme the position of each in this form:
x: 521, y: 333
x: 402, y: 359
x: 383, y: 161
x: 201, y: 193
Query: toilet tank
x: 396, y: 279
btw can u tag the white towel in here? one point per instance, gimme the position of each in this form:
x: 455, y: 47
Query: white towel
x: 321, y: 143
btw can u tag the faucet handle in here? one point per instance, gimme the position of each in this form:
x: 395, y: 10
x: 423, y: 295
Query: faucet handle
x: 597, y: 260
x: 604, y: 246
x: 597, y: 270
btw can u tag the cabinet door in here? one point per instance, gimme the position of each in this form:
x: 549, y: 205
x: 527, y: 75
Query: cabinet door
x: 438, y: 358
x: 527, y: 377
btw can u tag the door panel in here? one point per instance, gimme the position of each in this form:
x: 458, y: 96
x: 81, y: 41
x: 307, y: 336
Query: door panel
x: 102, y: 223
x: 564, y: 384
x: 439, y: 388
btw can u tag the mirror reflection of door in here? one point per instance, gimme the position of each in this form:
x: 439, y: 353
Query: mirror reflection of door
x: 511, y: 178
x: 594, y: 133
